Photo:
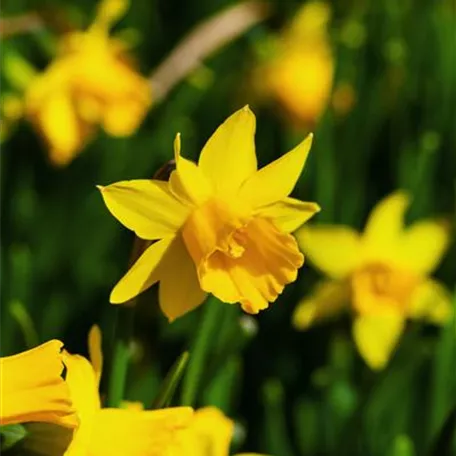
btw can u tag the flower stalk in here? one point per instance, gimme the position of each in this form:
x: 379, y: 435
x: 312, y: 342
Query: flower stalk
x: 199, y: 350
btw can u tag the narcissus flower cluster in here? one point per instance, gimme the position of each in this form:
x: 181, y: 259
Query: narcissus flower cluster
x: 221, y: 226
x: 382, y: 275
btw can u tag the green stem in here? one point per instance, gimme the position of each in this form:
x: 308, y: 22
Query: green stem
x: 123, y: 329
x: 22, y: 317
x: 170, y: 383
x: 200, y: 349
x: 121, y: 356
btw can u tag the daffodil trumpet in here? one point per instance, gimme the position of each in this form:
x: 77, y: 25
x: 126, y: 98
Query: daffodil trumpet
x: 33, y: 388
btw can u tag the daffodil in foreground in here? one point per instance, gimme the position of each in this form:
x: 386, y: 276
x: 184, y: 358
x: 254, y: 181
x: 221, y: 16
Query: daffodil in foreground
x: 222, y: 226
x: 90, y: 82
x: 299, y: 75
x: 209, y: 434
x: 33, y: 388
x: 116, y: 432
x: 381, y: 275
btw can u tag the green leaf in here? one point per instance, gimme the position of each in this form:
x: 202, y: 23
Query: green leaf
x: 11, y: 435
x: 402, y: 446
x: 306, y: 419
x: 171, y: 381
x: 276, y: 438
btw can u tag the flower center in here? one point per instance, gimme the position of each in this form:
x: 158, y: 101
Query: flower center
x: 379, y: 288
x: 214, y: 226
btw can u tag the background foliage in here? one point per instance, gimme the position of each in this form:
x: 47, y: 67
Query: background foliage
x: 295, y: 393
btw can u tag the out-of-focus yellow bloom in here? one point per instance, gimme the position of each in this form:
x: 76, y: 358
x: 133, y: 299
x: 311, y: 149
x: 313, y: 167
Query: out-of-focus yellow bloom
x: 11, y: 110
x: 223, y: 226
x: 90, y: 82
x: 383, y: 273
x: 116, y: 432
x: 299, y: 77
x: 33, y: 389
x: 209, y: 434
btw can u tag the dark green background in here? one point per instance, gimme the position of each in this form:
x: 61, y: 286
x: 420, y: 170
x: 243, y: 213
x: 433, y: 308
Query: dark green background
x: 295, y: 393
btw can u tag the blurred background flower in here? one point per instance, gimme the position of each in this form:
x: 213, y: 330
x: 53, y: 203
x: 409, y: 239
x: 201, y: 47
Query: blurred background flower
x: 381, y: 106
x: 380, y: 275
x: 298, y: 76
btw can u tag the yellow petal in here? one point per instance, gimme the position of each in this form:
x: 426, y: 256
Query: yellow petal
x: 256, y: 276
x: 377, y: 336
x: 328, y: 300
x: 146, y: 207
x: 121, y: 432
x: 142, y: 275
x: 423, y: 246
x: 179, y: 289
x: 310, y: 22
x: 95, y: 352
x: 60, y: 127
x: 83, y: 384
x: 275, y: 181
x: 289, y: 214
x: 229, y: 158
x: 209, y: 434
x: 384, y: 228
x: 335, y: 250
x: 109, y: 11
x: 32, y: 387
x: 124, y: 117
x: 432, y: 302
x: 188, y: 182
x: 97, y: 71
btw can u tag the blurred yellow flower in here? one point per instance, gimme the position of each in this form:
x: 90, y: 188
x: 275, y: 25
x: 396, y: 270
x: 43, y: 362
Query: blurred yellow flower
x: 299, y: 76
x: 110, y: 431
x: 11, y: 110
x: 383, y: 273
x: 209, y: 434
x: 90, y: 82
x: 223, y: 226
x: 33, y: 389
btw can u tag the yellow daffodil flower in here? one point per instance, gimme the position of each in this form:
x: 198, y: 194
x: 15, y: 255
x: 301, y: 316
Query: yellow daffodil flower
x: 300, y: 74
x: 223, y: 227
x: 90, y: 82
x: 110, y: 431
x: 33, y: 388
x: 209, y: 434
x: 382, y: 274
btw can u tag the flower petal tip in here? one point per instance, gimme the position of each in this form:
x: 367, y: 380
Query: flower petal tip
x: 100, y: 187
x: 177, y: 147
x: 309, y: 139
x: 114, y: 298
